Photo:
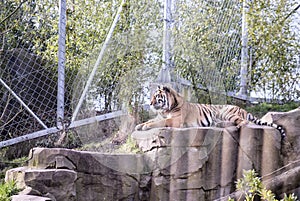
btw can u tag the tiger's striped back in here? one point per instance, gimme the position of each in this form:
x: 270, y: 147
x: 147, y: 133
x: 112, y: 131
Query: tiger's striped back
x: 240, y: 116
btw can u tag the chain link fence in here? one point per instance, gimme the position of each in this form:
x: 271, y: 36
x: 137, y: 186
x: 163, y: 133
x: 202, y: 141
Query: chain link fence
x: 113, y: 54
x: 102, y: 57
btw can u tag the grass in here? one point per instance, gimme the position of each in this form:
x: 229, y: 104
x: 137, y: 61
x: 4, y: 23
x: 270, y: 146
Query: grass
x: 260, y: 110
x: 7, y: 190
x: 129, y: 147
x: 106, y: 146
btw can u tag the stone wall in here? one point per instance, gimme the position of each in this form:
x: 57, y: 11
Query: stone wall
x: 204, y: 163
x: 176, y: 164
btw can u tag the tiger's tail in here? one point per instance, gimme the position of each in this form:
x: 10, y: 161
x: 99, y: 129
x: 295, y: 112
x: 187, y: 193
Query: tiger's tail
x: 257, y: 121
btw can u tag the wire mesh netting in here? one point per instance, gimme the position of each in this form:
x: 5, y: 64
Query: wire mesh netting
x: 29, y: 83
x: 205, y: 40
x: 29, y: 62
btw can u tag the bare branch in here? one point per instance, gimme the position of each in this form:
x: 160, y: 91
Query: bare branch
x: 12, y: 118
x: 292, y: 12
x: 12, y: 13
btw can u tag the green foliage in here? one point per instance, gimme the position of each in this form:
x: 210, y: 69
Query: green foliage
x: 131, y: 59
x: 87, y: 25
x: 207, y: 45
x: 261, y: 109
x: 15, y: 23
x: 206, y: 39
x: 8, y: 189
x: 206, y: 48
x: 9, y: 164
x: 129, y: 146
x: 251, y: 186
x: 274, y: 45
x: 126, y: 55
x: 106, y: 146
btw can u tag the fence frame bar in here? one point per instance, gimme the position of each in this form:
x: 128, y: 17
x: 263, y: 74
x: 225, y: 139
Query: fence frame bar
x: 51, y: 130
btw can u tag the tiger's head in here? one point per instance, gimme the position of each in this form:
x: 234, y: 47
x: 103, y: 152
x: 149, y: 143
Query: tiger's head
x: 165, y: 99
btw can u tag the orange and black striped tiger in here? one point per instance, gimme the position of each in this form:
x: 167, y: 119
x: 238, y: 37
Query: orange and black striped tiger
x: 174, y: 111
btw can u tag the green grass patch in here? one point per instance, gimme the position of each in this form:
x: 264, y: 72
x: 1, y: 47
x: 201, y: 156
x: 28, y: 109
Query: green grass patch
x: 106, y: 146
x: 261, y: 109
x: 8, y: 189
x: 129, y: 146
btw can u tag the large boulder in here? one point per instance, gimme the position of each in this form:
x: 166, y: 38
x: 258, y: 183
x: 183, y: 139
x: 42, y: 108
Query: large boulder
x: 99, y: 176
x: 291, y: 123
x: 52, y: 183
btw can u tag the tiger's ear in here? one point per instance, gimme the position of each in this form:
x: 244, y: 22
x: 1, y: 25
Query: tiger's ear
x: 159, y: 88
x: 166, y: 89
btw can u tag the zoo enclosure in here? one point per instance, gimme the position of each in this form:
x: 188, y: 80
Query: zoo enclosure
x: 37, y: 101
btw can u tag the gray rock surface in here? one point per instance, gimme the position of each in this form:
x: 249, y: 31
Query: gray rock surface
x: 52, y: 183
x: 29, y: 198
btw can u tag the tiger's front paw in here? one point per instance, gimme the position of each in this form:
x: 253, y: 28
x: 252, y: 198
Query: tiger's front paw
x: 146, y: 127
x: 139, y: 127
x: 142, y: 127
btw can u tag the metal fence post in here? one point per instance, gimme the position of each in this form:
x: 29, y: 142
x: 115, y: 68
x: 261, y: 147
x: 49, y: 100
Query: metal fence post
x: 165, y: 74
x: 244, y: 54
x: 61, y: 62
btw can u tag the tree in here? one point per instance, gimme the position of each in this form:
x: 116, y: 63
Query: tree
x: 131, y: 48
x: 15, y: 21
x: 131, y: 59
x: 274, y: 48
x: 21, y: 70
x: 207, y: 43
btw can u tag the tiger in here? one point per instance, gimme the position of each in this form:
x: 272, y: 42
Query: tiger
x: 174, y: 111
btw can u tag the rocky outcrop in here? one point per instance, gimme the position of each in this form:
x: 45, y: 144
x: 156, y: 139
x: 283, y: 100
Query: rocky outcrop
x: 204, y: 163
x: 95, y: 176
x: 176, y: 164
x: 291, y: 122
x: 52, y: 183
